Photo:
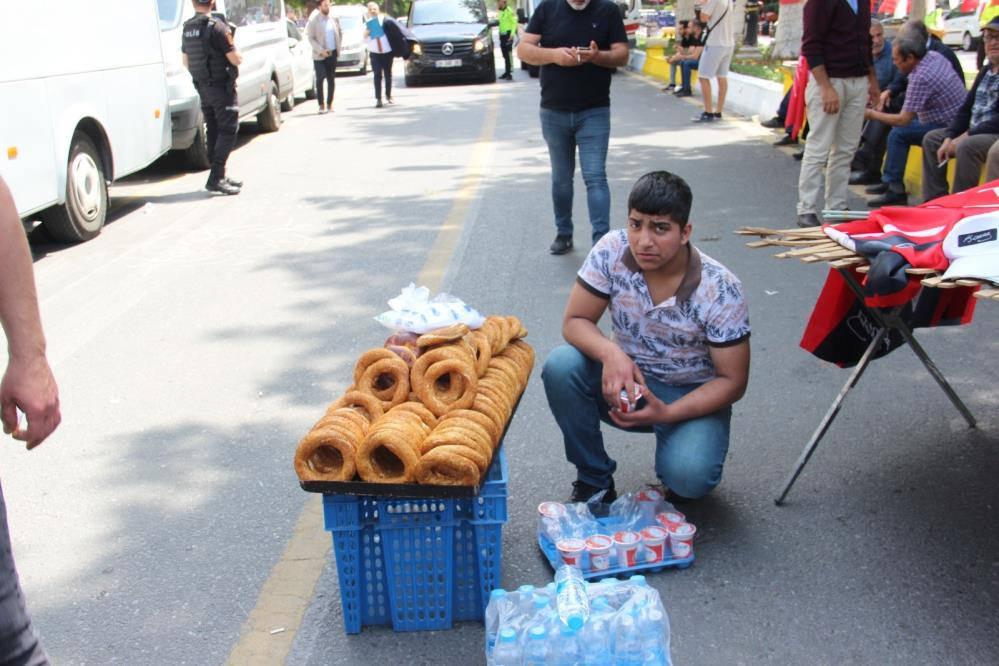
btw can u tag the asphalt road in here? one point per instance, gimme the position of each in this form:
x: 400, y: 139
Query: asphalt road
x: 198, y: 338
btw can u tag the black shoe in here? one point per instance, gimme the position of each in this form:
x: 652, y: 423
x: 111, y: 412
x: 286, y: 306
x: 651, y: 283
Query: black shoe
x: 508, y: 76
x: 670, y: 87
x: 683, y: 92
x: 705, y: 117
x: 378, y: 104
x: 390, y: 100
x: 773, y: 123
x: 863, y: 178
x: 877, y: 188
x: 221, y: 187
x: 799, y: 155
x: 716, y: 115
x: 582, y: 492
x: 809, y: 220
x: 235, y: 183
x: 561, y: 245
x: 889, y: 198
x: 786, y: 140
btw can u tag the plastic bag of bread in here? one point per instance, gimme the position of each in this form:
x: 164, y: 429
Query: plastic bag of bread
x: 415, y: 311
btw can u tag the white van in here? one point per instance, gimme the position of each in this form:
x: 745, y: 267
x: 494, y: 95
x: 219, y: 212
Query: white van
x: 265, y: 82
x: 353, y: 53
x: 84, y: 103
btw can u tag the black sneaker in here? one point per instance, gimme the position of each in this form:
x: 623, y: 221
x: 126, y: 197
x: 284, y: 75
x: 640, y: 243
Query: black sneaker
x: 378, y: 104
x: 773, y: 123
x: 234, y: 182
x: 221, y: 187
x: 705, y: 117
x: 716, y: 115
x: 877, y: 188
x: 582, y: 492
x: 561, y: 245
x: 683, y: 92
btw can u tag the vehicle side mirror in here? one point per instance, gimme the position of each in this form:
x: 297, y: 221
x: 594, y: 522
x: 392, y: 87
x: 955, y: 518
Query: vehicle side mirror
x: 521, y: 15
x: 493, y: 24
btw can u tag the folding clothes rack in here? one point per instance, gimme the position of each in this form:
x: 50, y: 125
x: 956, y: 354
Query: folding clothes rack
x: 811, y: 245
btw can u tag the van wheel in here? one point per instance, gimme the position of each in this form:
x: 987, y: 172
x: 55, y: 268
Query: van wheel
x: 196, y: 155
x: 490, y: 76
x: 289, y: 102
x: 269, y: 119
x: 967, y: 42
x: 86, y: 195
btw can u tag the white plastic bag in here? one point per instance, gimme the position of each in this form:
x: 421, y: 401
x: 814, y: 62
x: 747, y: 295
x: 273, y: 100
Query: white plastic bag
x: 413, y: 310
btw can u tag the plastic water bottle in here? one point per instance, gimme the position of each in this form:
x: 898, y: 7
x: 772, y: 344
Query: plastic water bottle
x: 507, y: 651
x: 567, y: 651
x: 652, y: 626
x: 572, y: 603
x: 536, y: 650
x: 595, y: 639
x: 525, y: 600
x: 627, y: 642
x: 497, y: 598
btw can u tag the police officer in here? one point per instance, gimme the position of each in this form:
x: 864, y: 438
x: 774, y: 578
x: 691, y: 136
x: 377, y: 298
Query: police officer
x: 214, y: 62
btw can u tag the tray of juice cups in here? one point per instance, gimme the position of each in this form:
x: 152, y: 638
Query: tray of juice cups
x: 656, y: 542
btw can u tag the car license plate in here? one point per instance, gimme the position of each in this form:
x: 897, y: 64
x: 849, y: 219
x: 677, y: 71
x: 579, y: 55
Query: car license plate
x: 448, y: 63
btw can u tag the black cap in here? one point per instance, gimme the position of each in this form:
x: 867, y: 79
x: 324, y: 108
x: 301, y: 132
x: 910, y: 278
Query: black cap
x: 992, y: 25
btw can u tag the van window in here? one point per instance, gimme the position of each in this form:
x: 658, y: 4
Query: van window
x: 252, y: 12
x: 427, y: 12
x: 169, y: 13
x: 349, y: 22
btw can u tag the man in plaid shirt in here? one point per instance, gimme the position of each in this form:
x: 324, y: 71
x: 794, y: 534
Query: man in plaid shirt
x: 932, y: 100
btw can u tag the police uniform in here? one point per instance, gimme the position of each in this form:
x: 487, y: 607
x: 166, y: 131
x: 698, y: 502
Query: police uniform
x: 206, y: 42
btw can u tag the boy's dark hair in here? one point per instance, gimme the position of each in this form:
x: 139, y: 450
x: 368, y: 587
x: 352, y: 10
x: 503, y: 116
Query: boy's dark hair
x: 662, y: 193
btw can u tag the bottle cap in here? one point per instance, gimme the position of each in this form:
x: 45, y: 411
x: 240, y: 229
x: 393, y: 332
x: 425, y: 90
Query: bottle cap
x: 507, y: 635
x: 525, y: 588
x: 638, y: 579
x: 497, y: 593
x: 540, y: 601
x: 572, y: 624
x: 538, y: 632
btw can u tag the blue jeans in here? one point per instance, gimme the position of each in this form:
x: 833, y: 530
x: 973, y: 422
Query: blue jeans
x: 19, y: 646
x: 686, y: 67
x: 689, y: 454
x: 590, y: 131
x: 899, y: 140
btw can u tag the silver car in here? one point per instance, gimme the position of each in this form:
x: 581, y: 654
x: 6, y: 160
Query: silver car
x: 353, y: 53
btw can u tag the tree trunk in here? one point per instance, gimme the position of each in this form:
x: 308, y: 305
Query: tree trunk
x: 684, y: 10
x: 918, y: 9
x: 787, y: 43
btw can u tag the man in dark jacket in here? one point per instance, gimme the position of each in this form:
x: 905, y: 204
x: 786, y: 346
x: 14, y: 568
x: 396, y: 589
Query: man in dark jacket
x: 971, y: 134
x: 836, y: 42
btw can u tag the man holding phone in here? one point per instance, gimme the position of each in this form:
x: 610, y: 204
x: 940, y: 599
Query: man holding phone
x: 678, y: 358
x: 576, y: 43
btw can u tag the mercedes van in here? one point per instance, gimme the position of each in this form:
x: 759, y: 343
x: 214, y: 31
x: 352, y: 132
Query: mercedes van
x: 455, y: 42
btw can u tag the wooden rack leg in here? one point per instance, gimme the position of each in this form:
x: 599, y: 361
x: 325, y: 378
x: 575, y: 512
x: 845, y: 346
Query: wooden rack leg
x: 830, y: 415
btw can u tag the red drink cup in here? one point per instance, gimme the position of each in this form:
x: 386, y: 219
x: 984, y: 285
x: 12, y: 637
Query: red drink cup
x: 626, y: 544
x: 681, y: 540
x: 571, y: 551
x: 670, y: 519
x: 654, y: 539
x: 554, y: 510
x: 599, y: 547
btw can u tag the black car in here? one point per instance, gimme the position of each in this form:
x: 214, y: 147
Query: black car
x: 455, y: 42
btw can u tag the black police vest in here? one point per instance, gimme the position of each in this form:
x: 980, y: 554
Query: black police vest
x: 206, y: 64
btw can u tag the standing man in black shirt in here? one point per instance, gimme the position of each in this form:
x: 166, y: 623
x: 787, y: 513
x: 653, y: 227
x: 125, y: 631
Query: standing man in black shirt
x: 577, y: 43
x: 212, y: 58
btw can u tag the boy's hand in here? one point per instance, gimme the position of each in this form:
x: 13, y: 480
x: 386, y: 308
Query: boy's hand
x: 620, y: 373
x: 653, y: 413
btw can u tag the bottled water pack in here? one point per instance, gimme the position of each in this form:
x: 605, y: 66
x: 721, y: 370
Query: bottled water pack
x: 610, y: 623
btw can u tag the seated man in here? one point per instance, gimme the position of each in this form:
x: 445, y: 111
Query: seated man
x: 680, y: 340
x: 866, y: 166
x: 688, y: 62
x: 972, y: 132
x: 682, y: 48
x: 934, y: 95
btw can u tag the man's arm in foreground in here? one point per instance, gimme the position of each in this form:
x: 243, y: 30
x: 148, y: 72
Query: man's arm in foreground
x: 731, y: 377
x: 579, y: 328
x: 28, y: 382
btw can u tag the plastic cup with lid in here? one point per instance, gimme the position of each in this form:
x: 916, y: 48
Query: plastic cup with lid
x: 626, y: 543
x: 572, y: 551
x: 654, y: 540
x: 598, y: 547
x: 681, y: 540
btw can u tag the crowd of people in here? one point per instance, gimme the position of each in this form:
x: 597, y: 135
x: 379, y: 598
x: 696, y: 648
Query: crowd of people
x: 868, y: 100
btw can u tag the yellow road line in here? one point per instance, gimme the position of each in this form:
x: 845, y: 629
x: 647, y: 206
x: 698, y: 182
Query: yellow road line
x: 269, y: 631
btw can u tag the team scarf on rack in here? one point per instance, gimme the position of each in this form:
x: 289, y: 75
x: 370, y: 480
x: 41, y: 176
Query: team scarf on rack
x: 893, y: 239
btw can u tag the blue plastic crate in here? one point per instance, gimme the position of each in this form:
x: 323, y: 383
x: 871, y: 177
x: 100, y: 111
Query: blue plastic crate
x: 418, y: 564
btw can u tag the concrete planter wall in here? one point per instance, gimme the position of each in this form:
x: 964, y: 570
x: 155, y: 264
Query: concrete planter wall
x: 750, y: 96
